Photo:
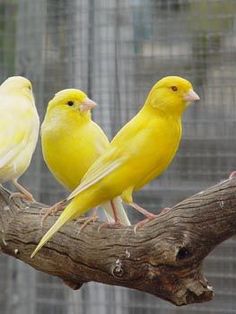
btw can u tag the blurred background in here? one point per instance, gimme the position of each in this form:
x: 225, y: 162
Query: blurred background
x: 115, y: 50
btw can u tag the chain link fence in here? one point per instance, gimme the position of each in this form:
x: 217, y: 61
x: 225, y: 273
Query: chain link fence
x: 115, y: 50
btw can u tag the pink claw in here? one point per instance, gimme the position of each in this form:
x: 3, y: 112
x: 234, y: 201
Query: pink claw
x: 165, y: 210
x: 232, y: 175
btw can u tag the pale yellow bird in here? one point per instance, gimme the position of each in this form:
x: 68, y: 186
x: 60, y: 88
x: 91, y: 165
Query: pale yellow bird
x: 141, y: 151
x: 71, y: 142
x: 19, y: 128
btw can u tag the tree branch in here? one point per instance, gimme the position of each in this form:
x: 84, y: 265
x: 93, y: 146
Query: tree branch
x: 164, y: 258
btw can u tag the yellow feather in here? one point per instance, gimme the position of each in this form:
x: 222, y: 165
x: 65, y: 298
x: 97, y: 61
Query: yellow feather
x: 71, y: 141
x: 19, y: 127
x: 142, y: 150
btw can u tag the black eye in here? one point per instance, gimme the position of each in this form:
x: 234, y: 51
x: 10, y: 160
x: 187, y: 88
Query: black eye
x: 174, y: 88
x: 70, y: 103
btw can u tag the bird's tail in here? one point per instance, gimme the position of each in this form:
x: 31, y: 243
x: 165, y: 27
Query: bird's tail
x: 69, y: 213
x: 120, y: 211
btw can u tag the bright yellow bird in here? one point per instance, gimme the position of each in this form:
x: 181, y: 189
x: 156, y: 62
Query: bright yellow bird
x: 71, y: 142
x: 140, y: 151
x: 19, y: 128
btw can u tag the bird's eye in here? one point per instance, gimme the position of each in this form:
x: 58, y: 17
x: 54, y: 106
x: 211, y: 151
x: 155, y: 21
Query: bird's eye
x: 70, y: 103
x: 174, y: 88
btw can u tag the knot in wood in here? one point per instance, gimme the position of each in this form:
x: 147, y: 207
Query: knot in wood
x: 183, y: 253
x: 118, y: 270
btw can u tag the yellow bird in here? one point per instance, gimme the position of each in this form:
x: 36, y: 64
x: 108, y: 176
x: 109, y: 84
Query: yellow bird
x: 19, y: 129
x: 71, y: 142
x: 140, y: 151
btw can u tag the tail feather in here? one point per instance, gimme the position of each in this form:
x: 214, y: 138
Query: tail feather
x: 73, y: 210
x: 68, y: 214
x: 121, y: 213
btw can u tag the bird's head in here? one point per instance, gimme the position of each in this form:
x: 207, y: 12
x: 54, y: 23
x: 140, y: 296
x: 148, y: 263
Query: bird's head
x: 17, y: 85
x: 72, y: 100
x: 172, y: 94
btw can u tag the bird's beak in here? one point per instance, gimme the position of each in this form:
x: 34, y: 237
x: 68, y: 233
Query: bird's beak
x: 191, y: 96
x: 88, y: 104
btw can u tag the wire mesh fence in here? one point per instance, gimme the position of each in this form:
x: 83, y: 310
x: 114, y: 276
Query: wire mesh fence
x: 116, y: 50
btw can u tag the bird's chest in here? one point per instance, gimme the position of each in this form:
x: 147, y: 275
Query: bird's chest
x: 68, y: 152
x: 159, y: 152
x: 166, y: 142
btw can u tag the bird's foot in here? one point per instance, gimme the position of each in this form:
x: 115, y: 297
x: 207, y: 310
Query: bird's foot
x: 165, y: 210
x: 232, y: 175
x: 143, y: 211
x: 149, y: 218
x: 23, y: 192
x: 51, y: 210
x: 141, y: 223
x: 24, y: 196
x: 86, y: 221
x: 113, y: 224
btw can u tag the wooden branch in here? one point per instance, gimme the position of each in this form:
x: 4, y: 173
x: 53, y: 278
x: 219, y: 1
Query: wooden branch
x: 164, y: 258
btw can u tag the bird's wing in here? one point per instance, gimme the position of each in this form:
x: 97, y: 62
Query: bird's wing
x: 113, y: 157
x: 13, y: 134
x: 101, y: 168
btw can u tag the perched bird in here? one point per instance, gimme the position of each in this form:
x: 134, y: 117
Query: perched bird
x: 19, y: 128
x: 71, y: 142
x: 140, y: 151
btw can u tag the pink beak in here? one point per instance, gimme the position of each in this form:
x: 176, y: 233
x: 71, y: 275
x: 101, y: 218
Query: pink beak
x: 191, y: 96
x: 88, y: 104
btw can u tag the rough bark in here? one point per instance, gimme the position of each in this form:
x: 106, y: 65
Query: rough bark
x: 163, y: 258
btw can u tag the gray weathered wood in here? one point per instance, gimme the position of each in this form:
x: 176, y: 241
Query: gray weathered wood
x: 164, y: 258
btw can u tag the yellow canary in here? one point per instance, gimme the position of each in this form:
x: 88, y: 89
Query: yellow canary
x: 140, y: 151
x: 19, y: 128
x: 71, y: 142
